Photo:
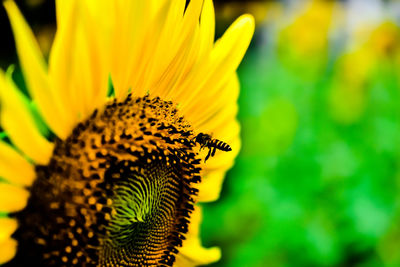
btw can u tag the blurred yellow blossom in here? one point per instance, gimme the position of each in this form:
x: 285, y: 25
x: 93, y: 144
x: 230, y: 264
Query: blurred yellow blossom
x: 349, y: 87
x: 303, y: 43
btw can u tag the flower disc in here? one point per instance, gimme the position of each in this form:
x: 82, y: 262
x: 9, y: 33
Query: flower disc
x: 117, y: 192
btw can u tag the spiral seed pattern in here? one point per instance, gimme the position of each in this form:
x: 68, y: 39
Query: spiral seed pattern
x: 118, y: 192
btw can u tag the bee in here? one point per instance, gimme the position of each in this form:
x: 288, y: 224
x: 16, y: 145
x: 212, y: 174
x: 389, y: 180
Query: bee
x: 205, y: 140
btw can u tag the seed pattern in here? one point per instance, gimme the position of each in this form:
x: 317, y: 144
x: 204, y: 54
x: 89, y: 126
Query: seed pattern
x: 118, y: 192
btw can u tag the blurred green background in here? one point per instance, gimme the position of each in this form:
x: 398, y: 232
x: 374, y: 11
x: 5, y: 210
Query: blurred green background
x: 317, y: 180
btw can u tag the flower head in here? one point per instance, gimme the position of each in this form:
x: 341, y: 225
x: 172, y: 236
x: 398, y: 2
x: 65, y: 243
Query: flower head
x: 118, y: 181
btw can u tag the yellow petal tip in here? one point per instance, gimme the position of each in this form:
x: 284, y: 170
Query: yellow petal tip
x: 8, y: 4
x: 7, y: 227
x: 214, y: 254
x: 12, y: 198
x: 8, y: 249
x: 248, y: 21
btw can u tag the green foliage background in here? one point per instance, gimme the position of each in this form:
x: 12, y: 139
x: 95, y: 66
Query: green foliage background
x: 317, y: 180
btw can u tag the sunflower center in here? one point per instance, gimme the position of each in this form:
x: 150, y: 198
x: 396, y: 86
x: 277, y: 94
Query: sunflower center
x: 117, y: 192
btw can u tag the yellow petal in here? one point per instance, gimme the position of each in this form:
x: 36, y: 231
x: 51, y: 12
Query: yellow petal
x: 154, y: 45
x: 13, y: 167
x: 210, y: 186
x: 182, y: 48
x: 79, y: 50
x: 34, y: 69
x: 8, y: 249
x: 192, y: 253
x: 214, y: 170
x: 230, y: 49
x: 217, y: 117
x: 214, y: 173
x: 224, y: 117
x: 166, y: 44
x: 220, y: 119
x: 207, y: 26
x: 133, y: 42
x: 12, y: 198
x: 209, y: 108
x: 99, y: 45
x: 223, y: 61
x: 155, y: 6
x: 7, y: 228
x: 61, y: 55
x: 177, y: 69
x: 61, y: 7
x: 19, y: 124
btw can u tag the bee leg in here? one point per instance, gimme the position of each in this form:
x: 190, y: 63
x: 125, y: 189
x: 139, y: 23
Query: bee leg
x: 213, y: 151
x: 193, y: 141
x: 208, y: 155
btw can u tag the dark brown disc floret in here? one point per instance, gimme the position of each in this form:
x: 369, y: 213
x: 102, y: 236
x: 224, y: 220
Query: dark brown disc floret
x: 118, y: 192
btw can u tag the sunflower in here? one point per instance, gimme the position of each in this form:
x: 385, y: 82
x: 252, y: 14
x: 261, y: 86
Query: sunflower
x: 100, y: 163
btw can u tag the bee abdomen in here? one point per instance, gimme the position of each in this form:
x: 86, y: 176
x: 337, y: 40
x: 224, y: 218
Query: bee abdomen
x: 220, y: 145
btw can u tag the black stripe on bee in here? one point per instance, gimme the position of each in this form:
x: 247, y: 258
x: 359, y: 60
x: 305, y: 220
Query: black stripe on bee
x: 205, y: 140
x: 220, y: 145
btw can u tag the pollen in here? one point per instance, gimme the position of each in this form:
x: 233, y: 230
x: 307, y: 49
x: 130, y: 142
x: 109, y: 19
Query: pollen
x: 118, y: 191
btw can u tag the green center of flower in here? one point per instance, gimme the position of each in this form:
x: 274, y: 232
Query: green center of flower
x: 117, y: 192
